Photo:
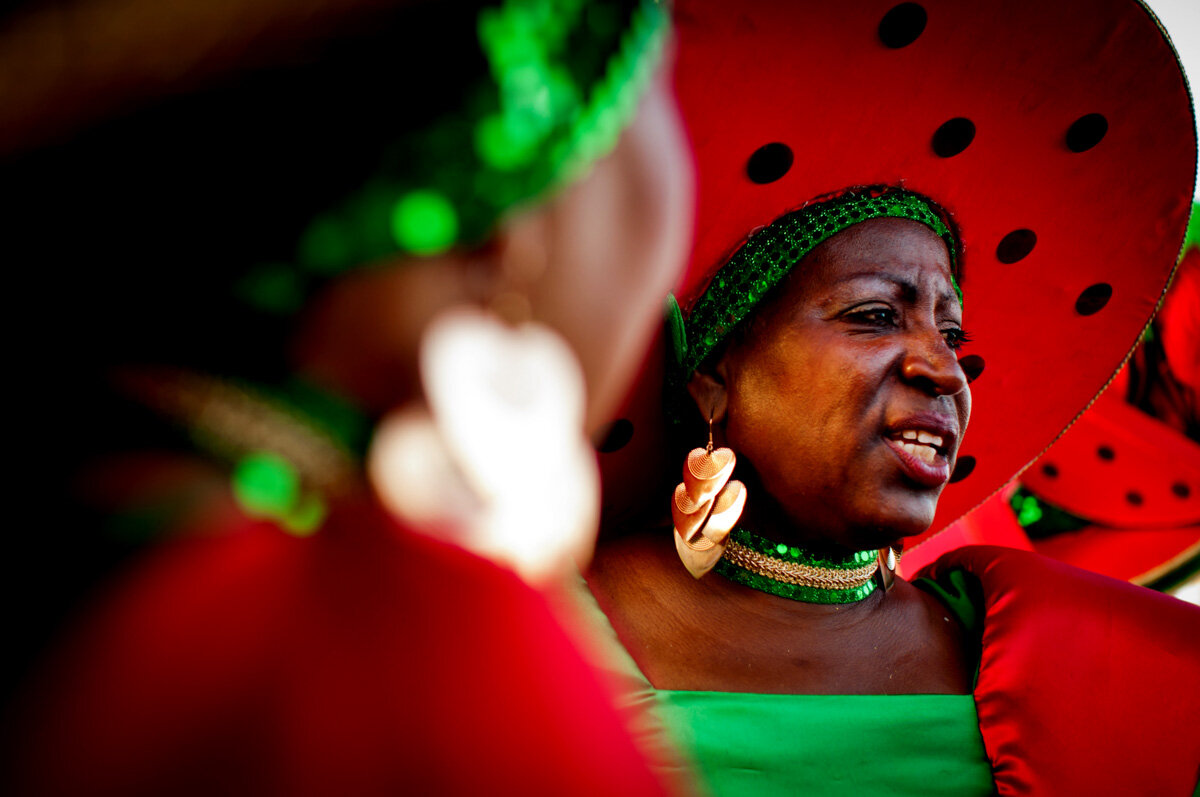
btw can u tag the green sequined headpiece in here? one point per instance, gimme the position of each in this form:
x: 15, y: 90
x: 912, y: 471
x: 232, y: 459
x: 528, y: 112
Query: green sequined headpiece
x: 771, y: 253
x: 563, y: 80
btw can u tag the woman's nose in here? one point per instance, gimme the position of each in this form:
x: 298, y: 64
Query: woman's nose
x: 931, y: 365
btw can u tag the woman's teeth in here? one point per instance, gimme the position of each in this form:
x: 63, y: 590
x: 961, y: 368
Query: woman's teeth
x: 923, y: 445
x: 924, y: 453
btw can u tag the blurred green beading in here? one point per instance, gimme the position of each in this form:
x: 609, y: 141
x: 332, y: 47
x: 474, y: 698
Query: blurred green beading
x: 563, y: 80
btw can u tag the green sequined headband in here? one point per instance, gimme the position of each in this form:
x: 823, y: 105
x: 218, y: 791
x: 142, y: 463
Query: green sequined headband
x: 771, y: 253
x: 563, y: 80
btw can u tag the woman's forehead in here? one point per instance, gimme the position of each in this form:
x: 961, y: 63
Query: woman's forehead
x: 886, y: 239
x: 898, y: 251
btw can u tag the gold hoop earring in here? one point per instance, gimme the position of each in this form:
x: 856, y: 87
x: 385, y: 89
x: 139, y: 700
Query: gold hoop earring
x: 706, y: 506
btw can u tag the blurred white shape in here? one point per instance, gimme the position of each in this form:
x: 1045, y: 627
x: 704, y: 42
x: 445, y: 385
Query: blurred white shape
x: 1189, y: 590
x: 412, y: 471
x: 1181, y: 18
x: 500, y: 464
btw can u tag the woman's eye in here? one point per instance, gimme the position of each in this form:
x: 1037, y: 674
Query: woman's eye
x: 875, y: 316
x: 955, y: 337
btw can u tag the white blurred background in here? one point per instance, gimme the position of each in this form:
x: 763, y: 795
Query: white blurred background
x: 1181, y: 18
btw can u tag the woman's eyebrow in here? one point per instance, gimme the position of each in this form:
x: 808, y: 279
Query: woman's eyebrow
x: 909, y: 291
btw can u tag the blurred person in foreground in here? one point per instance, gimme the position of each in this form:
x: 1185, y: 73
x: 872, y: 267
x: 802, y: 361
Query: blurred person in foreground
x: 293, y: 264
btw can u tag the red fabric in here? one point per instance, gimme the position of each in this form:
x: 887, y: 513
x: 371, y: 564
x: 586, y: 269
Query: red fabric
x: 1137, y: 555
x: 1087, y: 685
x: 363, y: 660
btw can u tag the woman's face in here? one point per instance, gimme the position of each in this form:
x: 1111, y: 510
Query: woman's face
x: 845, y: 397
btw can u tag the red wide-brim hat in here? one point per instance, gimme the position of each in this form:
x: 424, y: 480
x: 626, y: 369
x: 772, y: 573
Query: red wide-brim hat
x: 1059, y: 136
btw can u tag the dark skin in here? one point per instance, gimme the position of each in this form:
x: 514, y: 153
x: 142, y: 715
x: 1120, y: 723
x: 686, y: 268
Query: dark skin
x: 856, y: 348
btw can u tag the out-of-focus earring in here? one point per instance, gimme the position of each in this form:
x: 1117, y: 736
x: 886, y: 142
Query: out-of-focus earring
x: 706, y: 506
x: 496, y: 461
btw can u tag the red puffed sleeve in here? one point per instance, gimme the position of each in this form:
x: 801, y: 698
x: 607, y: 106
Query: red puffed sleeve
x: 1087, y: 685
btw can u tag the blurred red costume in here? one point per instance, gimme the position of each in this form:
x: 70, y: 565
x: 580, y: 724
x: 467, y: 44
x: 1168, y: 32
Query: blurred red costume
x: 362, y: 660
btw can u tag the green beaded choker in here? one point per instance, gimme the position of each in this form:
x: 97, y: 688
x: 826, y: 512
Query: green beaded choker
x: 794, y: 573
x: 292, y: 447
x: 771, y: 253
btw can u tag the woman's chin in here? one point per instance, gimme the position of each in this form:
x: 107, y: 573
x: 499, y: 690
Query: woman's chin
x: 891, y: 527
x: 876, y: 539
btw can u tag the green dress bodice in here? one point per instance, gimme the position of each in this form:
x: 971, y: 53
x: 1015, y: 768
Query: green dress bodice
x: 814, y: 745
x: 738, y: 743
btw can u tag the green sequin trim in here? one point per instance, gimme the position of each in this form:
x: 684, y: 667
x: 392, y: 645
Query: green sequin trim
x: 791, y: 553
x: 564, y: 78
x: 771, y: 253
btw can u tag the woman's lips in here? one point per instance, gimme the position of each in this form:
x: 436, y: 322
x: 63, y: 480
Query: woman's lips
x: 923, y: 463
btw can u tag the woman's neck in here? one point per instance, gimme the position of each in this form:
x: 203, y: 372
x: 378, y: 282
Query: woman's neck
x: 765, y: 518
x: 713, y: 634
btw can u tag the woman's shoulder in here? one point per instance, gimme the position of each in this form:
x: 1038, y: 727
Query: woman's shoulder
x: 644, y: 595
x: 1013, y: 581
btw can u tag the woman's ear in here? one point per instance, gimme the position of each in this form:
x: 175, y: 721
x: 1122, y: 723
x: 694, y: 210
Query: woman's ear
x: 707, y: 389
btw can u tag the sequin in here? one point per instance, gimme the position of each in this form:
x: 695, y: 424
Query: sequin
x: 265, y: 483
x: 424, y: 222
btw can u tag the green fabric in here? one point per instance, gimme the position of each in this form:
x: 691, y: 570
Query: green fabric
x: 764, y: 745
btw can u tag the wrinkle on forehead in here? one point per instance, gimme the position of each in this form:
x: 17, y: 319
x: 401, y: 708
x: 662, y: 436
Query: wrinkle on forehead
x: 899, y: 251
x: 909, y: 289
